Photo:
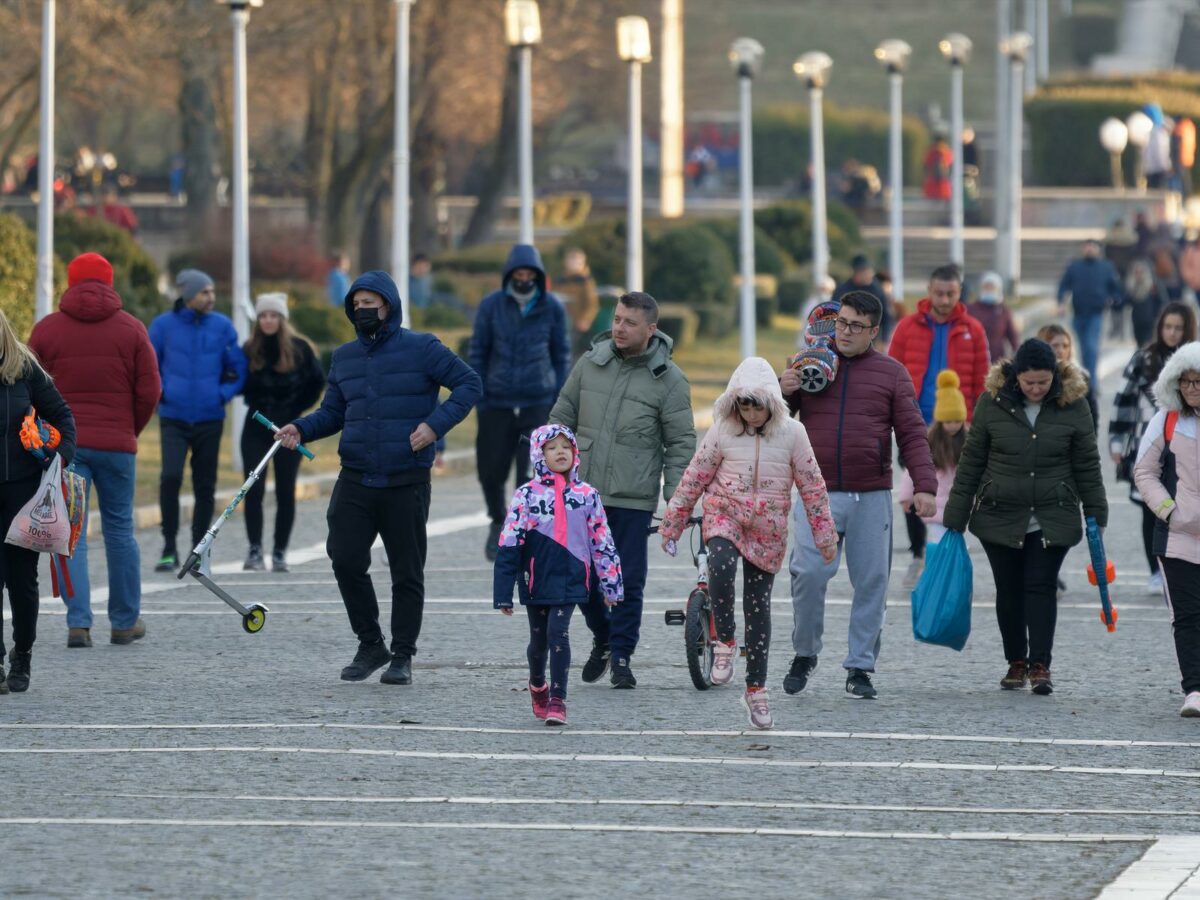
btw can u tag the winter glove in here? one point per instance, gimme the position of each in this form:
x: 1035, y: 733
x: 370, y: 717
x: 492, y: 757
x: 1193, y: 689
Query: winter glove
x: 39, y: 437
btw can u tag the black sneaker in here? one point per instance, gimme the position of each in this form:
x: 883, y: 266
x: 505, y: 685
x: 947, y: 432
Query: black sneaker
x: 491, y: 547
x: 399, y: 672
x: 858, y: 684
x: 168, y: 562
x: 797, y: 677
x: 254, y: 560
x: 279, y: 561
x: 597, y: 662
x: 622, y: 677
x: 18, y: 671
x: 3, y: 681
x: 368, y: 658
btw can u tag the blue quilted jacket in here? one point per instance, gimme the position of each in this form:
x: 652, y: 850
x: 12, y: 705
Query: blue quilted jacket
x: 201, y: 364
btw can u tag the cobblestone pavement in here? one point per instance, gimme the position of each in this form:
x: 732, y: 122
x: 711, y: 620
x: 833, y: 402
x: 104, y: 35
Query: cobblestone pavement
x: 209, y: 762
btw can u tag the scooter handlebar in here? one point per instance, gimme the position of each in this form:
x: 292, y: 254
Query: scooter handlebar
x: 263, y: 420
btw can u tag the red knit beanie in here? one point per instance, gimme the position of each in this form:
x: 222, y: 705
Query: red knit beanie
x: 89, y: 267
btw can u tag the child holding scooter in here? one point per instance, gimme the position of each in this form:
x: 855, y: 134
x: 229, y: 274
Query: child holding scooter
x: 745, y: 469
x: 554, y: 534
x: 947, y: 435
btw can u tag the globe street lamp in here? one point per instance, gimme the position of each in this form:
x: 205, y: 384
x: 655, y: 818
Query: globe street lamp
x: 1114, y: 136
x: 44, y: 293
x: 401, y: 160
x: 633, y: 46
x: 957, y: 50
x: 1016, y: 47
x: 523, y: 30
x: 813, y: 69
x: 745, y: 55
x: 1139, y: 126
x: 894, y: 54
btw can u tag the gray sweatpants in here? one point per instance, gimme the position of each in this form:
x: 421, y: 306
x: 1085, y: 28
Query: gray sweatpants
x: 864, y: 527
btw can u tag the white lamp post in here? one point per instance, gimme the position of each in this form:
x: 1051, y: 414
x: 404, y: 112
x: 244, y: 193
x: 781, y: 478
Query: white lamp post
x: 1114, y: 136
x: 1139, y: 127
x: 523, y: 29
x: 633, y: 46
x: 813, y: 69
x: 957, y: 50
x: 745, y: 55
x: 45, y: 236
x: 1001, y: 164
x: 400, y: 161
x: 1016, y: 47
x: 894, y: 54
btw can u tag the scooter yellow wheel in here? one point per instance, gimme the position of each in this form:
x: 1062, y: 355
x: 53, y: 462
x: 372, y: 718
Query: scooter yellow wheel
x: 254, y: 620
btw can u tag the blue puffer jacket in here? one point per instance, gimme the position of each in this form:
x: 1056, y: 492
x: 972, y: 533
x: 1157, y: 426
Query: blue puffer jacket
x: 381, y: 388
x: 1093, y: 285
x: 522, y: 356
x: 201, y: 364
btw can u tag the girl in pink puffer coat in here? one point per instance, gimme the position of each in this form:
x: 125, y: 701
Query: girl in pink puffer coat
x: 745, y: 469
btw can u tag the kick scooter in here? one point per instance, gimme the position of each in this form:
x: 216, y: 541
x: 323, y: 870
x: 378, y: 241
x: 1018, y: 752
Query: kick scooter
x: 199, y: 561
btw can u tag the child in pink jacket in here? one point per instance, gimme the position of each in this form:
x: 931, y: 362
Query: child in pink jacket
x: 947, y: 435
x: 745, y: 469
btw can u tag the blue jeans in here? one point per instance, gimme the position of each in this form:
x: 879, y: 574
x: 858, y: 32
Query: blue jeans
x: 113, y: 474
x: 1087, y: 328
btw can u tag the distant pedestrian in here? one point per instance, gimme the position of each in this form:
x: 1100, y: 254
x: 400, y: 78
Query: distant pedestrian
x: 862, y: 278
x: 1183, y: 154
x: 997, y: 320
x: 577, y: 290
x: 947, y: 435
x: 1092, y: 285
x: 420, y: 282
x: 1145, y: 297
x: 938, y: 162
x: 1063, y: 344
x: 337, y: 281
x: 1156, y: 152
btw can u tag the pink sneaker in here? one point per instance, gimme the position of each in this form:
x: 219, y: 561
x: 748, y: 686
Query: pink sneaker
x: 756, y: 705
x: 722, y: 667
x: 541, y: 700
x: 556, y: 712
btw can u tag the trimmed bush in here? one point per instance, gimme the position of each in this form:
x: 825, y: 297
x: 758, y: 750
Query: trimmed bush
x: 604, y: 243
x: 286, y: 254
x: 484, y: 259
x: 690, y: 264
x: 769, y: 257
x: 18, y: 273
x: 716, y: 319
x: 789, y: 224
x: 792, y: 295
x: 135, y: 275
x: 679, y: 322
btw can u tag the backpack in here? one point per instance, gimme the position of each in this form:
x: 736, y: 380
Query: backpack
x: 1170, y: 480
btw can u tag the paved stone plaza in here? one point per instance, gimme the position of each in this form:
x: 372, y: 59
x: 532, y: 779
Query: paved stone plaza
x: 204, y: 761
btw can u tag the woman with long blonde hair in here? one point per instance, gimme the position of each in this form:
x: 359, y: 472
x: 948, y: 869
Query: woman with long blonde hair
x: 25, y: 387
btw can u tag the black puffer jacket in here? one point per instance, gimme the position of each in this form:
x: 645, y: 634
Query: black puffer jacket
x: 283, y: 396
x: 37, y: 390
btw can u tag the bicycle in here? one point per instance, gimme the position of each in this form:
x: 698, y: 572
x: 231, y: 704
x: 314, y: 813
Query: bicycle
x: 699, y: 627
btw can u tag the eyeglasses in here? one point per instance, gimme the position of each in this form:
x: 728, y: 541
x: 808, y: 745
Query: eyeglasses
x: 1187, y: 384
x: 749, y: 403
x: 852, y: 327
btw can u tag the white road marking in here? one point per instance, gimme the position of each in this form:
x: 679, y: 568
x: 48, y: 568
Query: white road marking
x: 1169, y: 868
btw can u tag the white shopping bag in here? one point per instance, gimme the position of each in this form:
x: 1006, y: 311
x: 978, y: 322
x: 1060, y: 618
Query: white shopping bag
x: 42, y: 524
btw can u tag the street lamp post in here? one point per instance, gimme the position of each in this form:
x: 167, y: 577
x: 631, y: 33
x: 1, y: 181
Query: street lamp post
x: 401, y: 160
x: 745, y: 55
x: 1114, y: 136
x: 523, y: 30
x: 894, y: 54
x: 957, y: 50
x: 1016, y: 47
x: 1139, y: 127
x: 45, y: 236
x: 633, y: 46
x: 1001, y: 163
x: 814, y: 68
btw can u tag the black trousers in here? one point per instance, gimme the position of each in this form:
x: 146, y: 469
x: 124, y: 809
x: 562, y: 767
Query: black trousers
x: 723, y: 558
x: 18, y: 568
x: 204, y: 440
x: 499, y: 450
x: 1148, y: 522
x: 256, y: 441
x: 549, y: 638
x: 916, y: 534
x: 1183, y: 597
x: 1026, y: 597
x: 356, y: 516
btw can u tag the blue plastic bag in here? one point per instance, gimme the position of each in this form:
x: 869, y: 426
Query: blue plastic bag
x: 941, y: 601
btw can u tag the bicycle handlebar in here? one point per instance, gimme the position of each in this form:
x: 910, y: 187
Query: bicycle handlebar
x: 692, y: 520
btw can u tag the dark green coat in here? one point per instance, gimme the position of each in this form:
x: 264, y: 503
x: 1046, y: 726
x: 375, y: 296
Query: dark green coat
x: 1010, y: 471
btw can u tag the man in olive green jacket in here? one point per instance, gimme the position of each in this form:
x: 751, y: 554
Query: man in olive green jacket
x: 631, y: 410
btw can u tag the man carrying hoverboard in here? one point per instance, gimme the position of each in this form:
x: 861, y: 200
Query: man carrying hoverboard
x: 382, y: 395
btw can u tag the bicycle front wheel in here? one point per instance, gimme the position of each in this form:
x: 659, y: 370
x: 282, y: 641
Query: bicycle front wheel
x: 698, y: 638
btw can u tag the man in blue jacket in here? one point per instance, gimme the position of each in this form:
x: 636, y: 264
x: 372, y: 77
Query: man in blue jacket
x: 382, y: 396
x: 521, y: 351
x: 202, y: 368
x: 1093, y: 285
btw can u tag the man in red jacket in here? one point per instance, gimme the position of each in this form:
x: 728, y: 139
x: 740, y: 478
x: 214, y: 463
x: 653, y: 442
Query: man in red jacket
x: 103, y: 364
x: 939, y: 335
x: 850, y: 424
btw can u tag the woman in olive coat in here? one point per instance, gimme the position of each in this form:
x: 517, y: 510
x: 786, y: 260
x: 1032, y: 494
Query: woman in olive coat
x: 1030, y: 461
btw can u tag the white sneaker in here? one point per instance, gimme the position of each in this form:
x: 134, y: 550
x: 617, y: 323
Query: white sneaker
x: 913, y: 573
x: 722, y: 667
x: 758, y: 709
x: 1191, y: 706
x: 1155, y: 584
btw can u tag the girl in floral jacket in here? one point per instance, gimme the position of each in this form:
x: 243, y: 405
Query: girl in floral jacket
x: 555, y: 532
x: 745, y: 469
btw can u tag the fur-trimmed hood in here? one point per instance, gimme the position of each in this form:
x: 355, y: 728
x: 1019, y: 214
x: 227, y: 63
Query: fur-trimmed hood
x: 754, y: 377
x: 1070, y: 382
x: 1166, y: 389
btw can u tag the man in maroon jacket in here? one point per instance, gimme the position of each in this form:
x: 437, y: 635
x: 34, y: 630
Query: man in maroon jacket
x: 850, y: 424
x: 103, y: 364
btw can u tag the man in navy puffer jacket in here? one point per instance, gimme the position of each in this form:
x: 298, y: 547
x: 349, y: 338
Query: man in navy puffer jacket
x: 521, y: 351
x: 382, y: 396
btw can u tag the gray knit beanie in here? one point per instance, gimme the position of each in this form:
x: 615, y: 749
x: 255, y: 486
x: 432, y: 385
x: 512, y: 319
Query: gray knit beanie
x: 191, y: 282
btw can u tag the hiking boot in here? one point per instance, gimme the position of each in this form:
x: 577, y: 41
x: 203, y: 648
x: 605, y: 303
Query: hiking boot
x: 79, y: 637
x: 254, y: 560
x: 597, y: 662
x: 1190, y: 710
x: 757, y: 708
x: 129, y: 635
x: 279, y: 561
x: 399, y: 672
x: 168, y: 562
x: 368, y: 658
x: 541, y: 700
x: 1039, y: 679
x: 18, y: 671
x: 797, y: 677
x: 491, y: 546
x: 3, y: 681
x: 858, y: 684
x: 556, y: 711
x: 1018, y: 674
x: 722, y: 667
x: 622, y: 676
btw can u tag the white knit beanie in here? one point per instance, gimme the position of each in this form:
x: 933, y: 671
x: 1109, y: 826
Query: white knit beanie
x: 276, y: 303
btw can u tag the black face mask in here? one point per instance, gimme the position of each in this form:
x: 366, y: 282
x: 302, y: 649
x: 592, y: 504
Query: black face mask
x: 522, y: 289
x: 366, y: 319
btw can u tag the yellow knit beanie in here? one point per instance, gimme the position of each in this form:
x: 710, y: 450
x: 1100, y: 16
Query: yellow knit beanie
x: 949, y: 405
